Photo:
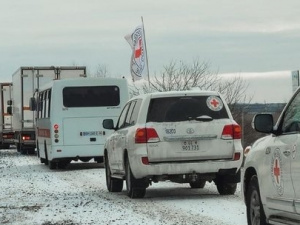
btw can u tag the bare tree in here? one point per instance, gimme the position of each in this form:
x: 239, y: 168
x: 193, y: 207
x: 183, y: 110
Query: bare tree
x: 198, y: 74
x: 234, y: 90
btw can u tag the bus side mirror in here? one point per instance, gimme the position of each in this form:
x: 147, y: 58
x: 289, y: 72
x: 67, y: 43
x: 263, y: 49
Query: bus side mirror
x: 32, y: 104
x: 9, y: 102
x: 9, y: 110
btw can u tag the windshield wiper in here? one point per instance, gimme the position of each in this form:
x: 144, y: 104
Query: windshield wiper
x: 204, y: 118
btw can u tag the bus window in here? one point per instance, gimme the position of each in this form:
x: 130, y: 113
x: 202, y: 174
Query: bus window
x: 93, y: 96
x: 40, y: 105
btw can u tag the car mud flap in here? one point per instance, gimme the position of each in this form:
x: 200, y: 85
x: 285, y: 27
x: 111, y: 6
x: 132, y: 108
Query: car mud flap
x: 228, y: 176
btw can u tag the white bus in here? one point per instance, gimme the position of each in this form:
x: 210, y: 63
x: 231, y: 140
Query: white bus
x: 69, y: 118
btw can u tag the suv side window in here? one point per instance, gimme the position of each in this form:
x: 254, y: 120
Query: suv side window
x: 134, y: 115
x: 121, y: 121
x: 291, y: 119
x: 127, y: 121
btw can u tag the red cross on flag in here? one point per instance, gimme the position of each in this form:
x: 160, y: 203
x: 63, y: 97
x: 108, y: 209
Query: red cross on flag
x: 138, y: 63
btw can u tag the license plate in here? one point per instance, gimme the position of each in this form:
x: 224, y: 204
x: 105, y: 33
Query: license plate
x: 190, y: 146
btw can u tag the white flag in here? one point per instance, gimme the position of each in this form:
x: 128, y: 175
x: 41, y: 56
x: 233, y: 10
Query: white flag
x: 138, y: 63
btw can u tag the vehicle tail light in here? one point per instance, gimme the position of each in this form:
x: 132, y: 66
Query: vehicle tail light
x: 56, y: 133
x: 232, y: 131
x: 146, y: 135
x: 8, y: 136
x: 25, y: 137
x: 145, y: 160
x: 237, y: 156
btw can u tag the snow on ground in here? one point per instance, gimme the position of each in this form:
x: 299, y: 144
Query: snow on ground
x: 32, y: 194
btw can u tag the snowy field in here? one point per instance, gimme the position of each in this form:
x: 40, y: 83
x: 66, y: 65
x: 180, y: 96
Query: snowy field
x: 32, y: 194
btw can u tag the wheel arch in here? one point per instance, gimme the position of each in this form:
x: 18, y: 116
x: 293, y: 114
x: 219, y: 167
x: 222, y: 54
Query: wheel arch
x: 125, y: 157
x: 249, y: 172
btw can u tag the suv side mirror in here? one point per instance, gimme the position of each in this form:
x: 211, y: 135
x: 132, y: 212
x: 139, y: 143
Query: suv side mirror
x: 263, y: 123
x: 108, y: 124
x: 32, y: 104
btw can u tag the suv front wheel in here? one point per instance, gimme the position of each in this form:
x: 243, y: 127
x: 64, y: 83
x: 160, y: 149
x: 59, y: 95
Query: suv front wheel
x: 255, y: 211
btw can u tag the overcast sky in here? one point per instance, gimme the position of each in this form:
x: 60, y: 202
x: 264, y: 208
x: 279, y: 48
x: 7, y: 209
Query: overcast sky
x: 234, y: 36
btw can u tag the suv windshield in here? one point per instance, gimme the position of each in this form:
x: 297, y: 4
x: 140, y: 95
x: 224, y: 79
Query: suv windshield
x: 173, y: 109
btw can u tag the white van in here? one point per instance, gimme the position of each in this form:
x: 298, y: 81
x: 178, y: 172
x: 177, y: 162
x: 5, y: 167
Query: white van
x: 69, y: 118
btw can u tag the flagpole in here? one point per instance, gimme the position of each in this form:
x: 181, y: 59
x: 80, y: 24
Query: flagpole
x: 146, y: 51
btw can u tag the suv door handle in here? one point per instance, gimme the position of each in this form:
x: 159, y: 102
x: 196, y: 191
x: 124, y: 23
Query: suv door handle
x: 287, y: 153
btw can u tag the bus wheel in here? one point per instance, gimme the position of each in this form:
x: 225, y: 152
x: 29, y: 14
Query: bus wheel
x: 52, y: 165
x: 85, y: 159
x: 63, y: 164
x: 43, y: 160
x: 31, y: 151
x: 99, y: 159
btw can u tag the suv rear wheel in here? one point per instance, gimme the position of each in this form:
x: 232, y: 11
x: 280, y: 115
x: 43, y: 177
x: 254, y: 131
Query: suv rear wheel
x: 136, y: 188
x: 112, y: 184
x: 226, y: 188
x: 255, y: 211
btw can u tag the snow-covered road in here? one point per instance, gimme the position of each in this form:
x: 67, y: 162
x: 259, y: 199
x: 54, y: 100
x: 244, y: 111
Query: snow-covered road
x: 32, y: 194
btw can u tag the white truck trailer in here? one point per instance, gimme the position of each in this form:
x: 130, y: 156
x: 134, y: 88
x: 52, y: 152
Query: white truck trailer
x: 26, y: 82
x: 6, y: 130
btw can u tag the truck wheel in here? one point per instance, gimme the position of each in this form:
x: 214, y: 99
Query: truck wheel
x: 135, y: 187
x: 31, y: 151
x: 23, y: 150
x: 255, y: 211
x: 112, y: 184
x: 4, y: 146
x: 226, y: 188
x: 18, y: 147
x: 198, y: 184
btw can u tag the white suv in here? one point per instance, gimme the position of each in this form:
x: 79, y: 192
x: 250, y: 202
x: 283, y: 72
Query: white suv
x: 271, y: 177
x: 183, y: 136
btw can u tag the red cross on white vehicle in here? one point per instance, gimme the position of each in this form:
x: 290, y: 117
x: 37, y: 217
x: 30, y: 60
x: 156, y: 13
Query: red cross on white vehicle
x: 276, y: 171
x: 214, y: 103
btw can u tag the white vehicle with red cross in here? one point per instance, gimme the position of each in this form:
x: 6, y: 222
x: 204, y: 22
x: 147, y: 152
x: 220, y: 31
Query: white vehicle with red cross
x: 271, y: 177
x: 180, y: 136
